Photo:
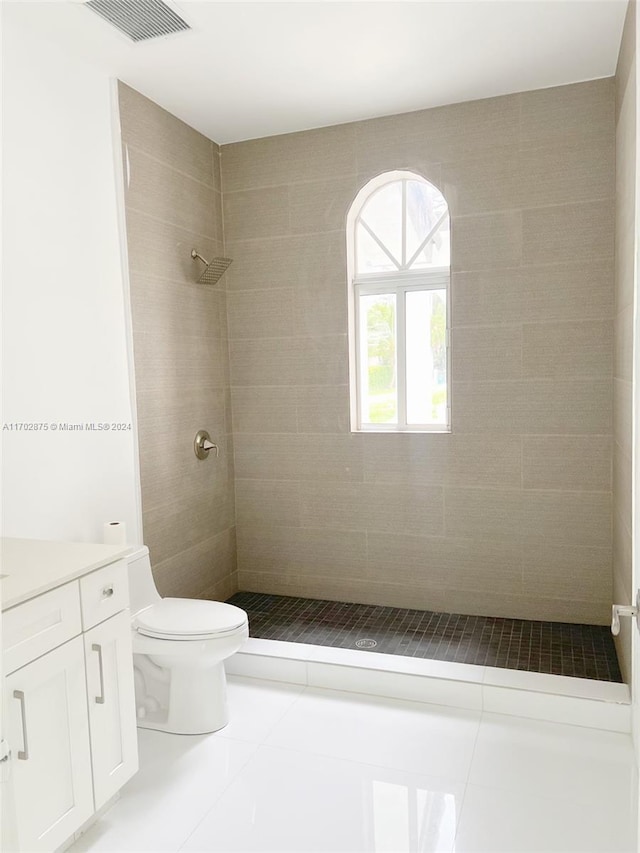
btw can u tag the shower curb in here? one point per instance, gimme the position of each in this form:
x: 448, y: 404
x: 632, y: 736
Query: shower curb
x: 554, y: 698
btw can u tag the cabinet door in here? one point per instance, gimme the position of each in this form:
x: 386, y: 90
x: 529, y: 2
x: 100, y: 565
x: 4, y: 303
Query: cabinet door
x: 112, y: 716
x: 47, y: 730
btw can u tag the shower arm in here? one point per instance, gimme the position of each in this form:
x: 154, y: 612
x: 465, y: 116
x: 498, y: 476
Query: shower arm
x: 195, y: 255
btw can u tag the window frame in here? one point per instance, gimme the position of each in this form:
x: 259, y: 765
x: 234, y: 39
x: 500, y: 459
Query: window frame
x: 399, y: 283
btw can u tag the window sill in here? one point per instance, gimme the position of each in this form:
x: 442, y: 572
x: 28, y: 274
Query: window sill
x: 401, y: 431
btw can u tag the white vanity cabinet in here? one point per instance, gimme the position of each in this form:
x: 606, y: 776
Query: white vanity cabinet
x: 47, y: 729
x: 112, y: 722
x: 69, y: 709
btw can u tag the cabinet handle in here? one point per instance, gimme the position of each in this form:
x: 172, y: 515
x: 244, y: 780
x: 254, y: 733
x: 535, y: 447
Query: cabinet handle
x: 98, y: 648
x: 23, y: 754
x: 107, y: 592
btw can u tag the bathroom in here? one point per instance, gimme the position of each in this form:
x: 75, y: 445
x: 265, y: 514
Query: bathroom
x: 523, y: 511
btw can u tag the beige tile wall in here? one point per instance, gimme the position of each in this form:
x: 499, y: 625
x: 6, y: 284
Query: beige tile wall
x: 173, y: 204
x: 623, y: 327
x: 509, y: 515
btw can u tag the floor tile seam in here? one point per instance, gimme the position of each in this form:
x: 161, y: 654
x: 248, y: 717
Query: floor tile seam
x: 471, y: 760
x: 233, y: 778
x: 301, y: 688
x: 236, y: 738
x: 448, y: 780
x: 460, y: 814
x: 290, y: 707
x: 439, y: 707
x: 548, y: 722
x: 475, y: 741
x: 529, y: 794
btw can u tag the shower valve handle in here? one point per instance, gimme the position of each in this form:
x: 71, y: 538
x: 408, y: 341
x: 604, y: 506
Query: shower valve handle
x: 202, y: 444
x: 619, y: 610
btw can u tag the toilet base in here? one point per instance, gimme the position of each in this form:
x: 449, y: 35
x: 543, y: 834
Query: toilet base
x: 186, y: 700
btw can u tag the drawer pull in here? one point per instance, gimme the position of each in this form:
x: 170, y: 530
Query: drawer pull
x: 23, y: 755
x: 98, y: 648
x: 107, y: 592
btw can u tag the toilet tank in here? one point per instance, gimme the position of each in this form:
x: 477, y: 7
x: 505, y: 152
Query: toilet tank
x: 142, y: 587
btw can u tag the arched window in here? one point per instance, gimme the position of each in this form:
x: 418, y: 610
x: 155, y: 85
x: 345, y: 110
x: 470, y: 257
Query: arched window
x: 398, y: 249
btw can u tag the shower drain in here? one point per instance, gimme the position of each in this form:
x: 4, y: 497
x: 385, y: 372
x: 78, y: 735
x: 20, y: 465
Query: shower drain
x: 366, y: 644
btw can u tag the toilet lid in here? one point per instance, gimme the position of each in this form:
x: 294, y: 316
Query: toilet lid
x: 189, y: 618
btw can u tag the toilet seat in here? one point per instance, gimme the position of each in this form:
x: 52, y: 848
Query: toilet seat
x: 189, y: 619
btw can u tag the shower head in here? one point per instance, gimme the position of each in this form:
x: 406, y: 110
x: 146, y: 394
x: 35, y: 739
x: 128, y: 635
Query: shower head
x: 213, y: 271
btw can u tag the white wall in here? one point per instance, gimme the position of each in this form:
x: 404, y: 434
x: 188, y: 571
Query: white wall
x: 635, y: 722
x: 64, y: 325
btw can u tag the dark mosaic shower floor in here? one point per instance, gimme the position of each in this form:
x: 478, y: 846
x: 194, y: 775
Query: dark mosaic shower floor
x: 582, y: 651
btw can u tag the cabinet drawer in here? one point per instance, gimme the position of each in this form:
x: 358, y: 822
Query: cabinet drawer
x: 37, y: 626
x: 104, y: 593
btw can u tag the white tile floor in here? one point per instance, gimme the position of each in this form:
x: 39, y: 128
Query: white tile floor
x: 303, y: 769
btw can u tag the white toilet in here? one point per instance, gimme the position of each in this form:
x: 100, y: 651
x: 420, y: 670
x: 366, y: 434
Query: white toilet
x: 179, y: 645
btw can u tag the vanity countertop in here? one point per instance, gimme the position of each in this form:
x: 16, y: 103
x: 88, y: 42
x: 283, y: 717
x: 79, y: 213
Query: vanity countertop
x: 29, y: 567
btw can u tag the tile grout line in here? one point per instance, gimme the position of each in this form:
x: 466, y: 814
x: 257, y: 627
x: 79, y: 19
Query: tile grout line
x: 172, y: 168
x: 473, y: 753
x: 217, y: 799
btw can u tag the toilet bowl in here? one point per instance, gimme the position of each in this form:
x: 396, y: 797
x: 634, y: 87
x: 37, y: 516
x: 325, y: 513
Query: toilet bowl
x: 179, y: 649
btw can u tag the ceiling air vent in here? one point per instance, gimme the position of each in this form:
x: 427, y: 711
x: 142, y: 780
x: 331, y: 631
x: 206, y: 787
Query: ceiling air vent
x: 139, y: 20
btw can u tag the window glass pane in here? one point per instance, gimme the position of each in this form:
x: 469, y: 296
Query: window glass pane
x: 425, y: 207
x: 370, y: 257
x: 437, y: 251
x: 378, y: 359
x: 426, y: 357
x: 383, y: 214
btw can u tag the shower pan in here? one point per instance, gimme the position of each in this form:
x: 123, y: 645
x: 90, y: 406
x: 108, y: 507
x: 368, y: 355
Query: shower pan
x: 556, y: 648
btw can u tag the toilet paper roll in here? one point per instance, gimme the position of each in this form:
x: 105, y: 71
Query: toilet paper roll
x: 114, y: 533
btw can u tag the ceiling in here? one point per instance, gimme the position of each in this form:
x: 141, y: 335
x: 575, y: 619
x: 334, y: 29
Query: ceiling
x: 253, y: 69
